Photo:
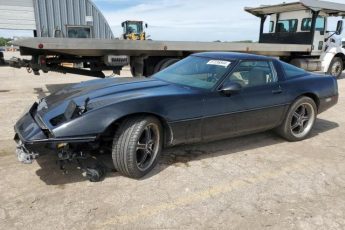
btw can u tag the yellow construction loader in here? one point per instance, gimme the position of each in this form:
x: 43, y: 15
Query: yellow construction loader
x: 134, y: 30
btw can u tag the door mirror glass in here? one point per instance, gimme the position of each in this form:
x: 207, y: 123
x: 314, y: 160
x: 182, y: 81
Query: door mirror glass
x: 230, y: 88
x: 339, y: 27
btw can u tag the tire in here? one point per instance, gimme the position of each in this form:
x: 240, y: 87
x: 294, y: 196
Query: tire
x: 164, y: 64
x: 137, y: 146
x: 298, y: 124
x: 2, y: 60
x: 336, y: 67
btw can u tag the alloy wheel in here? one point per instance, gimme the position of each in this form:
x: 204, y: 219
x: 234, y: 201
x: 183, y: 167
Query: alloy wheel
x: 302, y: 120
x: 147, y: 147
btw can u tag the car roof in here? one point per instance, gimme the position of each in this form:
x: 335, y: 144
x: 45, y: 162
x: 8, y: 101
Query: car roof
x: 232, y: 56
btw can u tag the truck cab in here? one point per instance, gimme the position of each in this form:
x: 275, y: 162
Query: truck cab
x: 296, y: 28
x: 305, y: 23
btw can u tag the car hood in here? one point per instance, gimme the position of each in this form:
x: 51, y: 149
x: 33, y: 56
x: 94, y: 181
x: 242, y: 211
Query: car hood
x: 99, y: 88
x: 96, y: 91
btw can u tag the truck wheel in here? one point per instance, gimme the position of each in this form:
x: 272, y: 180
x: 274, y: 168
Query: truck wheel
x: 137, y: 146
x: 299, y: 120
x: 164, y: 64
x: 336, y: 67
x: 2, y: 60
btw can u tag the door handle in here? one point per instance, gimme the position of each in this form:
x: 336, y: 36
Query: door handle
x: 277, y: 91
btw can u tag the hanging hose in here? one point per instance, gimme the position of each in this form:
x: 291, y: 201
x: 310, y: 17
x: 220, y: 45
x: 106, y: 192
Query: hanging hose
x: 28, y: 68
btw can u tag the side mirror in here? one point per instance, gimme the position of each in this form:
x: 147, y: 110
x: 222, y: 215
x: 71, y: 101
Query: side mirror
x: 146, y: 26
x: 230, y: 88
x: 339, y: 27
x: 122, y: 24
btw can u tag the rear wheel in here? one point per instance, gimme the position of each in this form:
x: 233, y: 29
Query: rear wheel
x: 2, y: 60
x: 164, y: 64
x: 137, y: 145
x: 336, y: 67
x: 299, y: 120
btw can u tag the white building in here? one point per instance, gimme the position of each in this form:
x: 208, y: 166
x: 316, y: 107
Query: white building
x: 55, y: 18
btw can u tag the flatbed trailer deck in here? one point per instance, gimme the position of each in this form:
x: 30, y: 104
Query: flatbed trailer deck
x: 144, y: 57
x: 101, y: 47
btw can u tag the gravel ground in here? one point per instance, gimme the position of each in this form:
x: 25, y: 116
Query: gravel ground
x: 254, y: 182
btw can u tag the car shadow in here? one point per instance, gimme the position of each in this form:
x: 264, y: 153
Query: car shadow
x: 179, y: 156
x: 51, y: 173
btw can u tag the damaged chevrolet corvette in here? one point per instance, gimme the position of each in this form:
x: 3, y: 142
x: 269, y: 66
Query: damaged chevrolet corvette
x: 204, y: 97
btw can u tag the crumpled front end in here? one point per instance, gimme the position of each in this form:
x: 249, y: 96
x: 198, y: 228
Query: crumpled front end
x: 28, y: 133
x: 34, y: 138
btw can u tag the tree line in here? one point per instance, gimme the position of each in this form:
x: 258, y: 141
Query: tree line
x: 4, y: 41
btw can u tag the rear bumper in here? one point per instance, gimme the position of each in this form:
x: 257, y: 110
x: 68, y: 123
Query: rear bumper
x: 328, y: 102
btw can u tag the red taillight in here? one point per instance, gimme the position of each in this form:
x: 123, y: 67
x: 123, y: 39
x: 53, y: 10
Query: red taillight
x: 43, y: 61
x: 41, y: 46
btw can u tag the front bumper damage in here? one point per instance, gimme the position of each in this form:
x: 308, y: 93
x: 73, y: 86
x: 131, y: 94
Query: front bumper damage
x: 23, y: 154
x: 33, y: 138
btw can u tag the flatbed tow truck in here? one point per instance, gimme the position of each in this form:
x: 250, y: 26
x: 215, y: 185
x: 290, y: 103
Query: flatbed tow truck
x: 297, y: 33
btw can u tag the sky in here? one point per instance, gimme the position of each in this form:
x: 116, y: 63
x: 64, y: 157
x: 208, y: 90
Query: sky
x: 185, y: 20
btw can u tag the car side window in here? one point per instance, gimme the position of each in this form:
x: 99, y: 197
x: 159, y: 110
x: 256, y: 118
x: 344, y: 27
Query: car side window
x: 254, y: 73
x: 292, y: 71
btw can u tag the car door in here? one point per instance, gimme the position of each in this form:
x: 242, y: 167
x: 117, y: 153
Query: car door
x: 258, y: 106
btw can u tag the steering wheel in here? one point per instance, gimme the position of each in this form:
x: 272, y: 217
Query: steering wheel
x: 212, y: 78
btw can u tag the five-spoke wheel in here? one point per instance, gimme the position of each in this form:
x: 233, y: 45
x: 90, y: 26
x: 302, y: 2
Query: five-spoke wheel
x: 300, y: 120
x: 137, y: 145
x: 147, y: 146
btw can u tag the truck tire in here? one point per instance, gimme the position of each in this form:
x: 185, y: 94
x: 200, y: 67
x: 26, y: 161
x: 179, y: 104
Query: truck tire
x: 299, y: 120
x: 164, y: 64
x: 2, y: 60
x: 137, y: 146
x: 336, y: 67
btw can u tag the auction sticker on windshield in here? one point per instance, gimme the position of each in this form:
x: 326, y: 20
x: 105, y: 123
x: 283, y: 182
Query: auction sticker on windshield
x: 219, y: 63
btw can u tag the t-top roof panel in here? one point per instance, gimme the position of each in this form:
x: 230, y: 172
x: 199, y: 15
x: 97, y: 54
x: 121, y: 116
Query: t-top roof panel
x: 331, y: 8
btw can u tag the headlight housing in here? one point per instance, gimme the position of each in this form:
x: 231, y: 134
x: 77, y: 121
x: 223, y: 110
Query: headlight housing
x: 72, y: 111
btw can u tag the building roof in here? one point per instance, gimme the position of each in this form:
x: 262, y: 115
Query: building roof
x: 330, y: 8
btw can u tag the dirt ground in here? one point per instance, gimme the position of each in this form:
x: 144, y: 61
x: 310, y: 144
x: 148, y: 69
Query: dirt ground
x: 254, y: 182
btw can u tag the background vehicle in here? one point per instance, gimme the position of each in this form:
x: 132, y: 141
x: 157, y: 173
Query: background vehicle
x: 205, y: 97
x: 298, y: 34
x: 2, y: 60
x: 134, y: 30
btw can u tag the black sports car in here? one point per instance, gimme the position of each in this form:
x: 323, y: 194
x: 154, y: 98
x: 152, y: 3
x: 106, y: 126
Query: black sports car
x: 204, y: 97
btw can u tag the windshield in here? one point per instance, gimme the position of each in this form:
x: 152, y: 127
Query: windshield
x: 134, y: 28
x: 199, y: 72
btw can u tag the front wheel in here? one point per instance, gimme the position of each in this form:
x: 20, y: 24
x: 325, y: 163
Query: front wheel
x: 137, y: 145
x: 299, y: 120
x: 336, y: 67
